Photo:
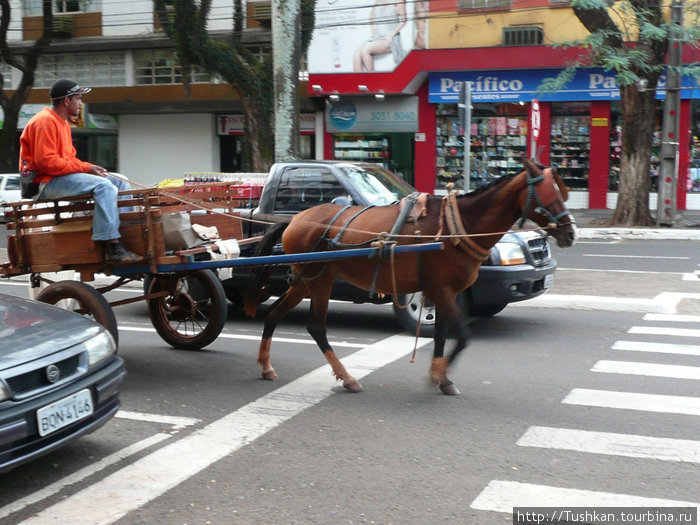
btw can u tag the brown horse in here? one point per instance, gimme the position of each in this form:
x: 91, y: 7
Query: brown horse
x: 486, y: 214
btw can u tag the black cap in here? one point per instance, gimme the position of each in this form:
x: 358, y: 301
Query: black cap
x: 65, y: 88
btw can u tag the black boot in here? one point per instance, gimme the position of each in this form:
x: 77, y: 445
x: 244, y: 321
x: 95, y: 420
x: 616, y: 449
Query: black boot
x: 116, y: 253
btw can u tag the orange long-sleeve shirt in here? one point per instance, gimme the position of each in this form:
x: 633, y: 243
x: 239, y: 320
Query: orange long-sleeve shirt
x: 46, y: 145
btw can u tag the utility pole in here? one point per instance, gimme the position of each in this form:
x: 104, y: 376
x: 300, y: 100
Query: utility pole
x: 464, y: 110
x: 668, y: 172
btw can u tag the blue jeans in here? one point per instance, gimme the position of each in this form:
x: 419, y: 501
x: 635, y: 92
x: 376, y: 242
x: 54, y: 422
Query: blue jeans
x: 105, y: 220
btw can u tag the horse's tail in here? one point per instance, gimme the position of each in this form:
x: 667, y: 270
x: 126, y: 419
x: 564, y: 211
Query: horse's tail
x: 260, y: 275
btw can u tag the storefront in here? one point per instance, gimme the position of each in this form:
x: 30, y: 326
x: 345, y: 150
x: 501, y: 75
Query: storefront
x: 373, y: 129
x: 579, y: 131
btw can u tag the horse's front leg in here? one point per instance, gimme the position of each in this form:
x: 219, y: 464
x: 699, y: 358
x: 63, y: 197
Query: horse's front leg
x: 281, y: 307
x: 320, y: 292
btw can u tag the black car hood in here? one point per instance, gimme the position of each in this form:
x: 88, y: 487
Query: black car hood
x: 30, y: 329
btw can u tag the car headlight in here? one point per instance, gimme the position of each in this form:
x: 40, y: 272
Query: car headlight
x: 510, y: 253
x: 100, y: 347
x: 4, y: 392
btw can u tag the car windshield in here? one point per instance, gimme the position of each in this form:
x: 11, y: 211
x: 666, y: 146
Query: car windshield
x: 377, y: 185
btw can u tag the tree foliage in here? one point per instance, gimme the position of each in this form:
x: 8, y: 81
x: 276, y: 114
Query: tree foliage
x: 26, y: 64
x: 185, y: 22
x: 630, y: 38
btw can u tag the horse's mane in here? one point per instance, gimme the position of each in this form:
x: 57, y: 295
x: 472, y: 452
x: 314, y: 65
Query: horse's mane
x: 495, y: 182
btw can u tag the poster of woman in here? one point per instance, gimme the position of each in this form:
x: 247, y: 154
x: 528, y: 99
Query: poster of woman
x: 365, y: 35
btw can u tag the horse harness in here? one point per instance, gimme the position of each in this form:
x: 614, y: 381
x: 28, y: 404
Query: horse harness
x: 541, y: 208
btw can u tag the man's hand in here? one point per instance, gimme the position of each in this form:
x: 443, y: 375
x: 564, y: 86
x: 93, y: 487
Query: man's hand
x: 97, y: 170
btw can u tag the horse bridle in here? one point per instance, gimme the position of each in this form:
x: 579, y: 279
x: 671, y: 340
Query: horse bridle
x: 541, y: 208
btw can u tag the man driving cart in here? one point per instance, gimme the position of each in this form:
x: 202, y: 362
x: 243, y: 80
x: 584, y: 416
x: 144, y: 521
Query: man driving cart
x: 48, y: 160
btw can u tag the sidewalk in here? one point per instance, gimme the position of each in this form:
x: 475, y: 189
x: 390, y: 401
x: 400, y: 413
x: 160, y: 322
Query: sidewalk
x: 594, y: 224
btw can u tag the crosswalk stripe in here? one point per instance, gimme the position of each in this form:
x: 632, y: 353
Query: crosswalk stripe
x: 664, y: 330
x: 503, y: 496
x: 628, y: 445
x: 634, y: 401
x: 662, y: 348
x: 647, y: 369
x: 673, y: 318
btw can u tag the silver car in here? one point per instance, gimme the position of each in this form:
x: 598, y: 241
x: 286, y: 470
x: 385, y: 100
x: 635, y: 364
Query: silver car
x: 9, y: 192
x: 60, y: 378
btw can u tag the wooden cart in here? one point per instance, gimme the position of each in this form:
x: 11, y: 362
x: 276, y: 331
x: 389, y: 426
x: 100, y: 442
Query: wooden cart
x: 186, y: 301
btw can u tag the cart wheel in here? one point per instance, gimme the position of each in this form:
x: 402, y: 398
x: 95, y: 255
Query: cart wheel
x: 193, y: 313
x: 83, y: 299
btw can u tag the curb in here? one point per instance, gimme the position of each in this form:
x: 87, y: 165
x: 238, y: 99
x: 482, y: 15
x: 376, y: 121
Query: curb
x: 639, y: 233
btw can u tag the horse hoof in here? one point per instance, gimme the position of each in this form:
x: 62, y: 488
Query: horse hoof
x: 353, y: 386
x: 270, y: 375
x: 449, y: 389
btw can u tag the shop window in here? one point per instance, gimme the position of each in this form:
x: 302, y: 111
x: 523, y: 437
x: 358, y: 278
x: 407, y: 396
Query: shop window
x: 498, y: 141
x: 694, y: 165
x: 571, y: 142
x: 374, y: 148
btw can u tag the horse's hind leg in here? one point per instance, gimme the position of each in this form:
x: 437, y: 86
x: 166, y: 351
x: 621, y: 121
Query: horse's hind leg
x: 449, y: 316
x: 320, y: 292
x: 281, y: 307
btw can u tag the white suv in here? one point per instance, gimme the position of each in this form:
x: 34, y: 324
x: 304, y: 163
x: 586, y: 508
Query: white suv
x: 9, y: 191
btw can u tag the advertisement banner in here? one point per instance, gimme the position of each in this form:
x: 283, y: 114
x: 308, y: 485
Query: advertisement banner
x: 362, y: 35
x: 523, y: 86
x: 365, y: 115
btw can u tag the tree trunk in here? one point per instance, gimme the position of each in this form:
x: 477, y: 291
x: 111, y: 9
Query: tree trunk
x: 286, y: 61
x: 638, y: 113
x: 9, y: 143
x: 258, y: 132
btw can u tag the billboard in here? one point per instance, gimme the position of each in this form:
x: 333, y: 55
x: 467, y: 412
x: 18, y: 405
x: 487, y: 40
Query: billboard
x: 362, y: 35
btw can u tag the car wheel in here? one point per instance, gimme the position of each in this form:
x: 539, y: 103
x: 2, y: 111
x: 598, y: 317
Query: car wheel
x: 486, y: 310
x: 409, y: 316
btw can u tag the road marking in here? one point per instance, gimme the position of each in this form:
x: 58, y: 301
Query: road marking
x: 634, y: 401
x: 662, y: 330
x: 306, y: 341
x: 662, y: 348
x: 81, y: 474
x: 647, y: 369
x: 144, y: 480
x: 660, y: 304
x: 634, y: 256
x: 628, y: 445
x: 678, y: 318
x: 176, y: 422
x: 503, y: 496
x: 593, y: 270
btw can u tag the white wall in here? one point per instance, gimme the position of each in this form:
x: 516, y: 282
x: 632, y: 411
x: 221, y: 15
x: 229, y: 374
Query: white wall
x: 157, y: 147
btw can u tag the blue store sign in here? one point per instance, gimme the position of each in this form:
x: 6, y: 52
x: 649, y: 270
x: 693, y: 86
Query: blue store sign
x: 523, y: 86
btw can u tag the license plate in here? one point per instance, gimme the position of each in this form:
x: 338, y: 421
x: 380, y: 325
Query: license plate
x: 548, y: 280
x: 62, y: 413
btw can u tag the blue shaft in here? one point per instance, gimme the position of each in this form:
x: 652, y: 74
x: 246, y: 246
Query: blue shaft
x: 290, y: 258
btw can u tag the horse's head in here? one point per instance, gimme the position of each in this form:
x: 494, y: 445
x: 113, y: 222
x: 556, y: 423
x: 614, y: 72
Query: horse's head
x: 542, y: 201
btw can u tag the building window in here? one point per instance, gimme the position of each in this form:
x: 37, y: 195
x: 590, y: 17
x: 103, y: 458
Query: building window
x: 161, y: 66
x: 88, y: 69
x: 484, y: 4
x: 523, y: 36
x: 34, y: 7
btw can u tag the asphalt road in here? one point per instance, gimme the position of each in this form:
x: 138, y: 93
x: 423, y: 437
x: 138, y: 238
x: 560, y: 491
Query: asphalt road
x: 560, y: 406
